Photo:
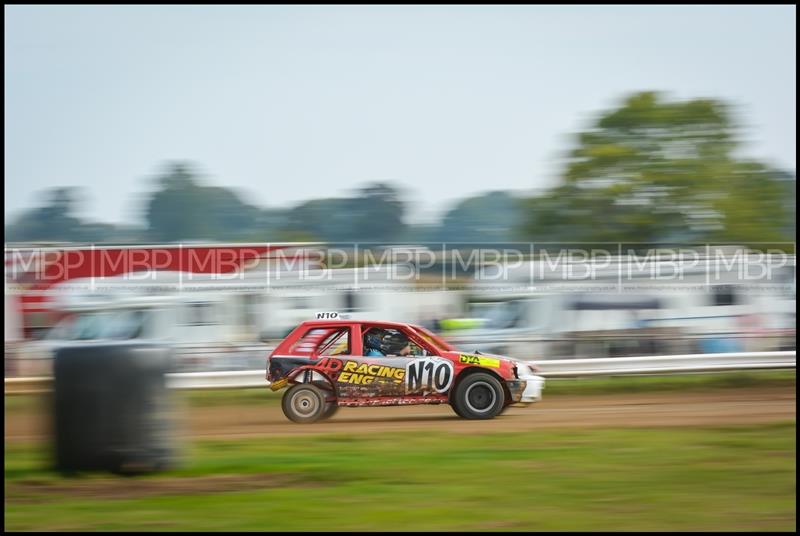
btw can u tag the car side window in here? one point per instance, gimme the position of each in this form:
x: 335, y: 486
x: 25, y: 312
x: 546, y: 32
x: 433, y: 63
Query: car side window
x: 370, y: 342
x: 417, y: 351
x: 388, y: 342
x: 337, y: 343
x: 322, y: 341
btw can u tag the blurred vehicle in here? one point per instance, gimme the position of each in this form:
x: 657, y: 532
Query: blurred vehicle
x: 195, y: 325
x: 385, y: 293
x: 553, y: 325
x: 13, y: 334
x: 99, y: 322
x: 41, y: 275
x: 703, y: 311
x: 333, y: 363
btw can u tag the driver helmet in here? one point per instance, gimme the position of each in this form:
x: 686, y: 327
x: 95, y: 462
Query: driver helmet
x: 374, y: 339
x: 393, y: 343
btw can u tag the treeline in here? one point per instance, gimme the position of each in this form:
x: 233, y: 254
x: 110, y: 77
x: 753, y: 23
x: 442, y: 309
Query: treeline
x: 649, y: 170
x: 185, y: 209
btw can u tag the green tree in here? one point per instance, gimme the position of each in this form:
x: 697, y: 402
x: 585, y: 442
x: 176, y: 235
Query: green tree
x: 374, y: 214
x: 660, y: 170
x: 490, y: 217
x: 184, y: 209
x: 330, y: 219
x: 57, y: 220
x: 54, y: 221
x: 379, y: 213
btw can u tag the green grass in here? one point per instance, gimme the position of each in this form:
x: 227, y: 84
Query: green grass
x: 676, y: 382
x: 721, y: 478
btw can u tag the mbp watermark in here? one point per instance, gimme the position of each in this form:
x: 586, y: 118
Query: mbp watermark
x: 535, y: 267
x: 747, y: 266
x: 661, y: 264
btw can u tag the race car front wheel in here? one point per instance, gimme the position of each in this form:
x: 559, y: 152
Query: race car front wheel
x: 479, y: 396
x: 304, y: 403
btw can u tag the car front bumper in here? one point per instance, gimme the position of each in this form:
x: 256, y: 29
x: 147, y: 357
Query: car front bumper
x: 526, y: 389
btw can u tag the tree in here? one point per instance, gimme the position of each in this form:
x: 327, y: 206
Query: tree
x: 57, y: 221
x: 659, y: 170
x: 378, y: 213
x: 54, y: 221
x: 184, y: 209
x: 491, y: 217
x: 177, y: 211
x: 375, y: 214
x: 329, y: 219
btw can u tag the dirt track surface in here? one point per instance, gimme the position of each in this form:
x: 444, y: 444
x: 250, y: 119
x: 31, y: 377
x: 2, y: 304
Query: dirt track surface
x: 720, y: 407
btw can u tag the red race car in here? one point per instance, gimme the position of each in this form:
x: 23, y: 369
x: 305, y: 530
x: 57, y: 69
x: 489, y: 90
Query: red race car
x: 332, y: 363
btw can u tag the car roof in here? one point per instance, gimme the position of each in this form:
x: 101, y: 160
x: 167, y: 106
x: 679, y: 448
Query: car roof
x: 313, y: 323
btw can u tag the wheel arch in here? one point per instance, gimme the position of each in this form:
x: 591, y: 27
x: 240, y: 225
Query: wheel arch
x: 293, y: 378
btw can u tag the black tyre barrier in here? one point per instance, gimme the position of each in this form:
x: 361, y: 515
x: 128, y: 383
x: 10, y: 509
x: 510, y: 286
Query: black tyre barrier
x: 112, y: 410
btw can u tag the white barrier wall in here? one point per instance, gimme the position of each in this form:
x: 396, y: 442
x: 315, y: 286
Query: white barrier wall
x: 549, y: 369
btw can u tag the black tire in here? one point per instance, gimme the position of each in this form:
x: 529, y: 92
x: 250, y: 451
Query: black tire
x: 453, y: 405
x: 330, y: 410
x: 330, y: 400
x: 304, y: 403
x: 479, y: 396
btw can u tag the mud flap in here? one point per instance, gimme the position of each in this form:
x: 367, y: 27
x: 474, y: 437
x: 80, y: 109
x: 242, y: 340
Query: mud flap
x: 279, y: 384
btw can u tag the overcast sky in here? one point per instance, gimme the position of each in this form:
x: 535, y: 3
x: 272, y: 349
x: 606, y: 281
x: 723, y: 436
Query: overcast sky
x: 292, y: 102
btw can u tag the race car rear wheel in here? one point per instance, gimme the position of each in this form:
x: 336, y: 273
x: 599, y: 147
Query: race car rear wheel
x: 330, y: 409
x: 330, y: 399
x: 479, y: 396
x: 304, y: 403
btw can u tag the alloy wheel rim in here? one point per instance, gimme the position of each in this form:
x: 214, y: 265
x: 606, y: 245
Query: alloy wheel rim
x: 305, y: 404
x: 480, y: 397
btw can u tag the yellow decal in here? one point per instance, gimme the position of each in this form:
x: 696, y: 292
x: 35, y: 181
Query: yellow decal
x: 365, y: 374
x: 480, y: 361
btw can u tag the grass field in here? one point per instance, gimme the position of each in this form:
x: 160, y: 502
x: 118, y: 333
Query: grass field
x: 691, y: 478
x: 735, y: 478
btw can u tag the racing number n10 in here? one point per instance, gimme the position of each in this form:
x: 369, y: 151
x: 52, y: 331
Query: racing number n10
x: 429, y: 375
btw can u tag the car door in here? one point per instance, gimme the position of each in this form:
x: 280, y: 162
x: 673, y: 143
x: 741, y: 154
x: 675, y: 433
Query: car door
x: 370, y: 378
x: 393, y: 379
